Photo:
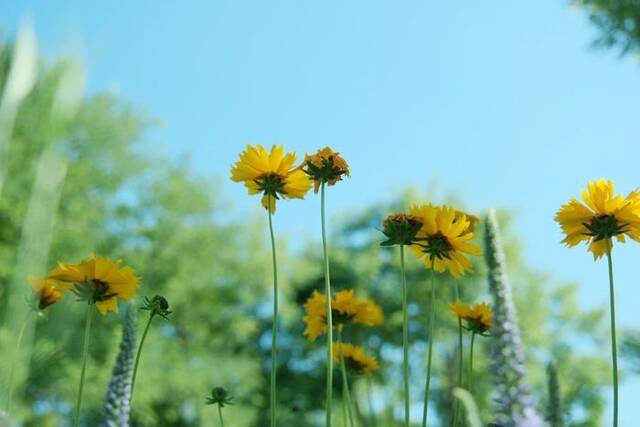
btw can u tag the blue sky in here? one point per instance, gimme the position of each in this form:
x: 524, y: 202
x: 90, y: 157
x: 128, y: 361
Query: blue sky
x: 504, y: 103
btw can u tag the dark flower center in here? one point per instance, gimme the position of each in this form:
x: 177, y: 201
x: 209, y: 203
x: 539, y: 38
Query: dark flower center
x: 437, y: 246
x: 270, y: 184
x: 604, y: 227
x: 340, y: 318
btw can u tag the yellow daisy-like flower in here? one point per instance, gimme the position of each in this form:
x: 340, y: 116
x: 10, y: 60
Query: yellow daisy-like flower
x: 315, y: 317
x: 271, y: 174
x: 355, y: 358
x: 345, y: 308
x: 47, y: 291
x: 98, y: 280
x: 601, y: 217
x: 478, y: 317
x: 325, y: 166
x: 444, y: 238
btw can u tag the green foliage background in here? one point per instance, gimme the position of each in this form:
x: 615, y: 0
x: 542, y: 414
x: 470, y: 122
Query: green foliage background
x: 121, y: 200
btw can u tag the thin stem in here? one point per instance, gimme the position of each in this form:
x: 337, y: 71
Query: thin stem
x: 345, y: 416
x: 432, y: 321
x: 85, y: 352
x: 405, y: 338
x: 614, y: 346
x: 135, y: 367
x: 456, y: 410
x: 220, y: 414
x: 470, y: 373
x: 372, y: 417
x: 345, y: 381
x: 274, y: 327
x: 13, y: 362
x: 327, y: 286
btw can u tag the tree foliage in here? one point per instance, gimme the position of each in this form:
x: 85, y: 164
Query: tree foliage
x: 618, y: 22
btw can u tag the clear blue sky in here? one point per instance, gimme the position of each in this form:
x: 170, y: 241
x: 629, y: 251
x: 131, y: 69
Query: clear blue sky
x: 503, y: 102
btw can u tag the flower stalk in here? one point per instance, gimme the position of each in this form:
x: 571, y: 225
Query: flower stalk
x: 614, y: 346
x: 456, y: 410
x: 405, y: 339
x: 347, y: 402
x: 157, y: 306
x: 274, y: 327
x: 327, y: 285
x: 470, y: 373
x: 85, y: 353
x: 138, y: 353
x: 432, y: 320
x: 220, y: 396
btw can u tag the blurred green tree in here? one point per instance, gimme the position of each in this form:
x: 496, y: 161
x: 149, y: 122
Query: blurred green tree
x: 618, y: 21
x: 122, y: 200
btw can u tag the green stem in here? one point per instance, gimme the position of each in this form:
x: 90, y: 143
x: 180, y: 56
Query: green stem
x: 614, y: 346
x: 432, y: 321
x: 13, y: 362
x: 405, y: 338
x: 220, y: 414
x: 470, y: 373
x: 135, y: 367
x: 372, y: 417
x: 456, y: 410
x: 345, y: 381
x: 274, y: 327
x: 85, y: 352
x: 345, y: 417
x: 327, y: 285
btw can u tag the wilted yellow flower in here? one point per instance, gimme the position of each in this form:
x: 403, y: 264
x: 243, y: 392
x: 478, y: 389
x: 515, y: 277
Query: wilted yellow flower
x: 355, y: 358
x: 602, y: 216
x: 98, y: 280
x: 271, y: 174
x: 325, y: 166
x: 345, y: 308
x: 400, y: 229
x: 47, y: 291
x: 478, y: 317
x: 473, y: 220
x: 443, y: 239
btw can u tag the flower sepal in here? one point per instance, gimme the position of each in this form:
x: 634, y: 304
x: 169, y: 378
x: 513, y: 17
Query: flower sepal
x: 219, y: 396
x: 92, y: 291
x: 158, y: 305
x: 401, y: 229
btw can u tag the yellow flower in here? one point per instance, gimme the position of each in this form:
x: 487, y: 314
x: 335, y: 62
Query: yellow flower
x: 478, y: 317
x: 47, y: 291
x: 355, y: 358
x: 345, y: 308
x: 325, y: 166
x: 473, y: 220
x: 98, y: 280
x: 444, y: 238
x: 271, y: 174
x: 602, y: 216
x: 315, y: 317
